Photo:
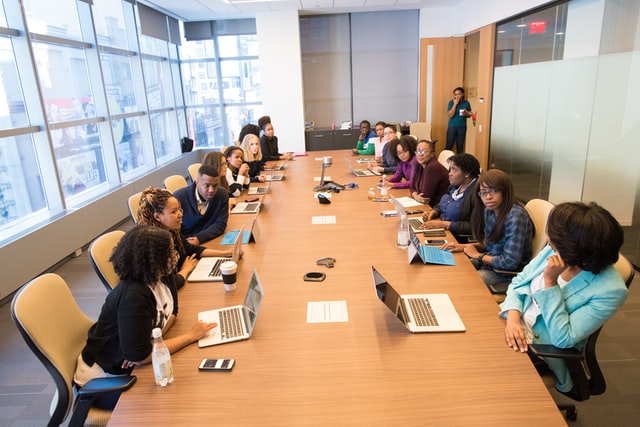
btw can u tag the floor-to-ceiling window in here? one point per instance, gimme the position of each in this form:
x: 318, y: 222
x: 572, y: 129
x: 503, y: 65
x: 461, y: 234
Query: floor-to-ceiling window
x: 221, y: 80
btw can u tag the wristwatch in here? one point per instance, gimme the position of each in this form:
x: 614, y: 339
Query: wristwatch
x: 480, y: 257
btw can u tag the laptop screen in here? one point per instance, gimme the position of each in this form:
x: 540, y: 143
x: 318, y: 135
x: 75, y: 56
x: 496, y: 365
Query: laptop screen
x: 387, y: 294
x: 252, y: 301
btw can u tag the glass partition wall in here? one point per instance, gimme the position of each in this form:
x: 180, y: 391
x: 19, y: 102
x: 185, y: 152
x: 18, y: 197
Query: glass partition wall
x: 563, y: 118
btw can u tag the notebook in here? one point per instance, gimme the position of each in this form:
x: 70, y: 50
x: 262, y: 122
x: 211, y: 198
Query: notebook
x: 246, y: 208
x: 235, y: 323
x: 359, y: 172
x: 427, y: 254
x: 262, y: 189
x: 208, y: 268
x: 419, y: 312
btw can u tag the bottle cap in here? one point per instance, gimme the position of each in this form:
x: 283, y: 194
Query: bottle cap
x: 156, y: 333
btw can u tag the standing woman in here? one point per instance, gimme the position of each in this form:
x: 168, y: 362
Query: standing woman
x: 159, y: 208
x: 237, y: 171
x: 404, y: 151
x: 253, y: 158
x: 455, y: 208
x: 503, y: 231
x: 121, y: 337
x: 458, y: 110
x: 430, y: 180
x: 219, y: 162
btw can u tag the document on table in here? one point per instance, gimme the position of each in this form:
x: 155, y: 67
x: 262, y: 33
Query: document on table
x: 327, y: 311
x: 329, y: 219
x: 317, y: 178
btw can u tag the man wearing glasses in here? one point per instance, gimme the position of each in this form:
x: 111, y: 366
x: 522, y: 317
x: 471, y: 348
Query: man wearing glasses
x: 206, y: 207
x: 430, y: 179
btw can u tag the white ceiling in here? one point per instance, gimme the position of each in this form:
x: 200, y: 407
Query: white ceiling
x: 202, y: 10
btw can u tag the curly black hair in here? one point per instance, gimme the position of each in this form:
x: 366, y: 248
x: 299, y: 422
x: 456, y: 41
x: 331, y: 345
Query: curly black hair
x: 585, y: 235
x: 467, y: 163
x: 143, y: 254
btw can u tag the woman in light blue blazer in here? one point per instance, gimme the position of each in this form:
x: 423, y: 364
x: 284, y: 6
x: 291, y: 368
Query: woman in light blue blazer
x: 570, y: 289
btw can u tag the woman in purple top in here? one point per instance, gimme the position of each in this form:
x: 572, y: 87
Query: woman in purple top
x: 404, y: 151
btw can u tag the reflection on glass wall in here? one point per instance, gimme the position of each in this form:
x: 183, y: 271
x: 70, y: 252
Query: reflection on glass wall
x: 536, y: 37
x: 54, y: 18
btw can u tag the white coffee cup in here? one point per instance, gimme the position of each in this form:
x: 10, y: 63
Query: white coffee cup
x: 462, y: 111
x: 228, y: 270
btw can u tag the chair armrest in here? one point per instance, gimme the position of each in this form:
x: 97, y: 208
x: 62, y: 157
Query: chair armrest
x: 548, y: 350
x: 100, y: 386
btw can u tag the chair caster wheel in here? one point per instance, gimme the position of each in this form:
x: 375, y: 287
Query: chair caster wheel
x: 572, y: 414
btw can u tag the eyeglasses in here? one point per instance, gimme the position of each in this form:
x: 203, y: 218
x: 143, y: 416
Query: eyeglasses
x: 492, y: 191
x: 423, y: 151
x: 388, y: 132
x: 400, y: 153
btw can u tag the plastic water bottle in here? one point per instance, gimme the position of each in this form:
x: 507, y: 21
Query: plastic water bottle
x: 161, y: 360
x: 384, y: 191
x: 403, y: 232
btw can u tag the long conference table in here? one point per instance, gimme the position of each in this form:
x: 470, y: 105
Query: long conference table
x: 367, y: 371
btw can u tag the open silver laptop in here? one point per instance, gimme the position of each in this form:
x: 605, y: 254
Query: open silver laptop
x: 275, y: 177
x: 416, y: 222
x: 208, y: 268
x: 359, y: 172
x: 259, y: 189
x: 418, y: 312
x: 235, y: 323
x: 246, y: 208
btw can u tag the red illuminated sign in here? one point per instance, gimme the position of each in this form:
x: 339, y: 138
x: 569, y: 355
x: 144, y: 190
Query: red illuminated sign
x: 538, y: 27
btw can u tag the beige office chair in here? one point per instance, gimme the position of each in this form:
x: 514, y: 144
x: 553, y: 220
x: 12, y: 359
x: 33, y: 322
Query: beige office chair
x: 421, y: 130
x: 55, y: 329
x: 133, y: 203
x: 193, y: 171
x: 175, y: 182
x: 100, y: 251
x: 583, y: 366
x: 444, y: 156
x: 538, y: 211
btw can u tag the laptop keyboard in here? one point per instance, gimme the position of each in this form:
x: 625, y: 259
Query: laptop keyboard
x: 230, y: 323
x: 423, y: 312
x: 215, y: 270
x: 415, y: 223
x: 250, y: 207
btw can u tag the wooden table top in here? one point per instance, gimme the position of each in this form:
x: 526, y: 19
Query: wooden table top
x: 367, y: 371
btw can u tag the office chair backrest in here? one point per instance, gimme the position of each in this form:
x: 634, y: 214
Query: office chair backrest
x: 422, y: 130
x: 444, y: 156
x: 133, y: 203
x: 55, y: 329
x: 193, y: 171
x: 100, y: 251
x: 175, y: 182
x: 538, y: 211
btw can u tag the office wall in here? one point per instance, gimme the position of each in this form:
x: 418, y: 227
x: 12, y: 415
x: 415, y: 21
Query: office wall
x: 281, y: 74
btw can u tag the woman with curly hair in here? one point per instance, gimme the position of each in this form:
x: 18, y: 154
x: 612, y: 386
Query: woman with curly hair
x: 159, y: 208
x: 146, y: 298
